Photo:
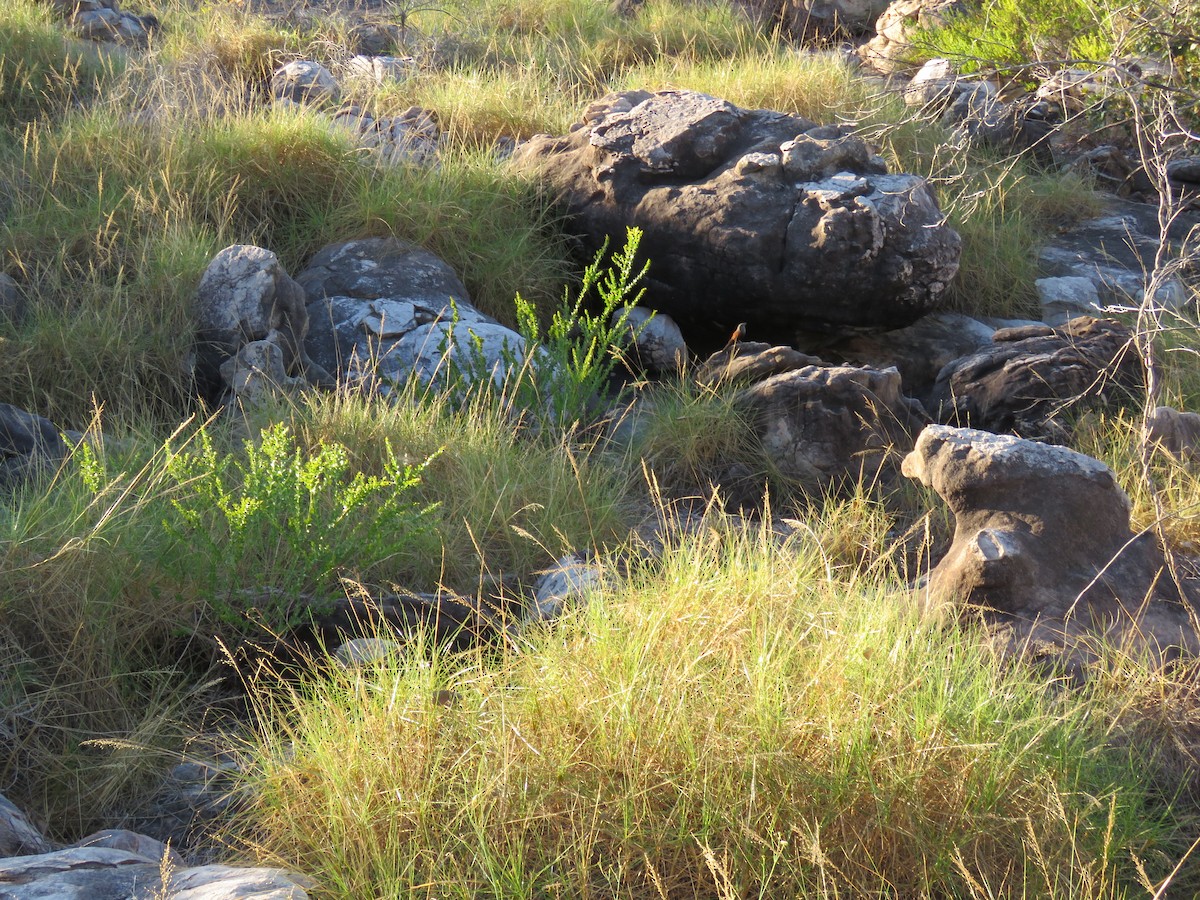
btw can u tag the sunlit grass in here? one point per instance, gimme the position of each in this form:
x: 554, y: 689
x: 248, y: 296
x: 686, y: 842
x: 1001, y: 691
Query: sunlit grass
x: 736, y: 719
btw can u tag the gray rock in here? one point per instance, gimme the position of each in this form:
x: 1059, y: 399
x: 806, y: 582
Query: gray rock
x: 985, y: 120
x: 29, y: 445
x: 18, y: 837
x: 412, y: 137
x: 382, y: 268
x: 218, y: 882
x: 751, y: 215
x: 381, y: 69
x: 921, y: 350
x: 891, y: 50
x: 659, y: 345
x: 111, y: 25
x: 244, y: 296
x: 132, y: 842
x: 304, y: 81
x: 1184, y: 170
x: 95, y: 873
x: 256, y: 373
x: 749, y: 361
x: 391, y: 310
x: 933, y: 85
x: 569, y: 579
x: 1043, y: 549
x: 1176, y: 432
x: 1029, y: 376
x: 1115, y: 251
x: 440, y: 351
x: 1066, y: 298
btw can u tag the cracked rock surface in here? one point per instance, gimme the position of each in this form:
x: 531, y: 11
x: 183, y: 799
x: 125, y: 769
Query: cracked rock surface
x: 752, y: 215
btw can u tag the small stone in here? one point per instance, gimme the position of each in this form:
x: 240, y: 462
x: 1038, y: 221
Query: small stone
x: 1066, y: 297
x: 304, y: 82
x: 566, y: 581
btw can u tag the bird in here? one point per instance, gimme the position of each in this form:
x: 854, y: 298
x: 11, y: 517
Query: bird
x: 738, y: 335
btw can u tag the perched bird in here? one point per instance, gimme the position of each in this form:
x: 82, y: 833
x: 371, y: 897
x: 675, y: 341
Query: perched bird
x: 738, y: 335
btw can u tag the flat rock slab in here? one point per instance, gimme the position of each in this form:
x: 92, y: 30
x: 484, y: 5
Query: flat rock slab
x: 1116, y: 250
x: 94, y: 873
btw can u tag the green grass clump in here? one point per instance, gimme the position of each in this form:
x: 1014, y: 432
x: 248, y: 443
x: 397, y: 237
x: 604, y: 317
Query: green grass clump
x: 42, y: 71
x: 736, y: 720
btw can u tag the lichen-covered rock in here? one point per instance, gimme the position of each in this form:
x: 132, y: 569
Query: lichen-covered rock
x: 375, y: 268
x: 570, y: 578
x: 384, y: 310
x: 244, y: 296
x: 304, y: 81
x: 751, y: 215
x: 1043, y: 547
x: 413, y: 136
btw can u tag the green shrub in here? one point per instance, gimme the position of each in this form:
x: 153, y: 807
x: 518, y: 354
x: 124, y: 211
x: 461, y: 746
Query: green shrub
x: 292, y: 521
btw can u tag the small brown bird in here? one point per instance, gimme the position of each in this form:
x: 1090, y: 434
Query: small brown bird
x: 738, y: 335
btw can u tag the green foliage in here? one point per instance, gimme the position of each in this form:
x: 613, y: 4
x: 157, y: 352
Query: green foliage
x: 1019, y: 33
x: 583, y: 344
x: 286, y: 519
x: 567, y: 367
x: 1021, y: 37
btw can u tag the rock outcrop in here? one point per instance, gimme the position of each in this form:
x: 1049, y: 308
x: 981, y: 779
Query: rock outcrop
x: 891, y: 49
x: 822, y: 426
x: 752, y: 215
x: 382, y: 310
x: 921, y: 350
x: 245, y: 296
x: 1043, y: 547
x: 1028, y: 376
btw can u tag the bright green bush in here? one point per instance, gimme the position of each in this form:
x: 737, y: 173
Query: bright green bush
x: 291, y: 521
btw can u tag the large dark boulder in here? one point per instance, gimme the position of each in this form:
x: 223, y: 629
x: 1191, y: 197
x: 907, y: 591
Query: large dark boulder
x: 751, y: 215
